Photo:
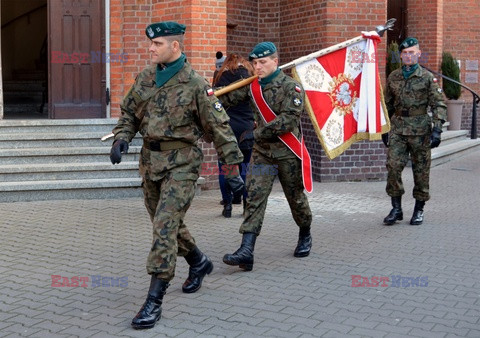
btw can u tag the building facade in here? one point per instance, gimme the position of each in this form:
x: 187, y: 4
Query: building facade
x: 81, y: 56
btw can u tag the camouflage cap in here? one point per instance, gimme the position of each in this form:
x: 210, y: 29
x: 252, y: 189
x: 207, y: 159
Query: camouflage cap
x: 164, y: 28
x: 262, y: 49
x: 408, y: 42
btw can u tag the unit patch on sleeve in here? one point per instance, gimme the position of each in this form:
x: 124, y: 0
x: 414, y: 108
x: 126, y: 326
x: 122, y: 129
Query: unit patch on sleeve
x: 218, y: 106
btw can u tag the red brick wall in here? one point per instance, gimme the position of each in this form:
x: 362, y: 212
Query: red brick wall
x: 128, y: 20
x: 461, y: 37
x: 425, y: 22
x: 242, y: 26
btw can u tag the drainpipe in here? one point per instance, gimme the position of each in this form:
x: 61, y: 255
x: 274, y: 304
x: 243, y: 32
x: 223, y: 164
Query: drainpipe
x: 107, y: 50
x: 1, y: 77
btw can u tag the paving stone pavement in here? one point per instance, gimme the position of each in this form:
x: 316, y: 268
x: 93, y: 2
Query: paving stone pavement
x: 282, y: 297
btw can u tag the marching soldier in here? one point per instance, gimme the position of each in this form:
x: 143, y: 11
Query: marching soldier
x: 276, y: 92
x: 410, y: 90
x: 172, y: 107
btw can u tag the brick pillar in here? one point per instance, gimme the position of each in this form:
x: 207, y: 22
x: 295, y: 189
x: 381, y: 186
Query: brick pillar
x: 206, y: 33
x: 425, y: 22
x: 128, y: 20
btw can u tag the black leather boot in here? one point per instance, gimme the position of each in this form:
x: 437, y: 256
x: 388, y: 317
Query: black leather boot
x: 304, y: 243
x: 200, y: 265
x: 396, y: 214
x: 417, y: 217
x: 243, y: 257
x: 151, y: 310
x: 227, y: 210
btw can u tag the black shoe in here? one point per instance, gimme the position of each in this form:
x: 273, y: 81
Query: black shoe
x: 227, y: 210
x: 396, y: 214
x: 304, y: 243
x: 417, y: 217
x: 243, y: 257
x: 200, y: 265
x: 151, y: 310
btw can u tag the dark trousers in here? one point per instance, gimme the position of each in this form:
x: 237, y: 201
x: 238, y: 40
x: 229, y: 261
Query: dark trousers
x: 227, y: 195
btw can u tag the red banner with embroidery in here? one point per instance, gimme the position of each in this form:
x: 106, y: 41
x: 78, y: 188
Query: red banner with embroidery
x: 289, y: 139
x: 344, y: 96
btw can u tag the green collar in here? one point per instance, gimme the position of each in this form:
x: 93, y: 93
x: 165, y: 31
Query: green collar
x: 409, y: 70
x: 266, y: 80
x: 169, y: 70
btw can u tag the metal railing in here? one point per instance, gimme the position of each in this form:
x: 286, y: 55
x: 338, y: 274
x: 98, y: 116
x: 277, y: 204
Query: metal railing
x: 476, y: 100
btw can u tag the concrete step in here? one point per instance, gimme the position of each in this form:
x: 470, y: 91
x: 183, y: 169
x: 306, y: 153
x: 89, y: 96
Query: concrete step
x: 70, y: 189
x: 62, y: 155
x: 14, y: 108
x: 72, y: 126
x: 451, y: 136
x: 55, y: 139
x: 449, y: 151
x: 29, y: 74
x: 23, y: 85
x: 66, y: 171
x: 17, y: 96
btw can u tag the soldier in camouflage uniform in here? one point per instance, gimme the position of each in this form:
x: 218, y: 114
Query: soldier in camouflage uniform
x: 410, y: 90
x: 172, y: 107
x: 271, y: 157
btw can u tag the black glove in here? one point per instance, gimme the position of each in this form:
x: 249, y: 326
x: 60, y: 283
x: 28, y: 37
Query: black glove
x: 236, y: 184
x: 385, y: 139
x: 118, y: 147
x: 435, y: 139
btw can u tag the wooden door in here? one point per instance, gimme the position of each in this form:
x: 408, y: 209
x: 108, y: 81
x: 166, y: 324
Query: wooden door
x: 76, y: 82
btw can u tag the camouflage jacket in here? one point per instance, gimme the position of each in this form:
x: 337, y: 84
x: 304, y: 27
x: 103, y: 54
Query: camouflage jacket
x: 286, y: 98
x: 416, y: 93
x: 183, y: 109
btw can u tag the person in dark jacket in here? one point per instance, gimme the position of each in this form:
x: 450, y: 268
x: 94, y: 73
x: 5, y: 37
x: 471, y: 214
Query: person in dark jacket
x: 236, y: 68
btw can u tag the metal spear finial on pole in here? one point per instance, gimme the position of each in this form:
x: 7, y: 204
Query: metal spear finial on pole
x: 387, y: 27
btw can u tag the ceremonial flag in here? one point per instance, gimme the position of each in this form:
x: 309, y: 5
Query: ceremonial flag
x: 343, y: 94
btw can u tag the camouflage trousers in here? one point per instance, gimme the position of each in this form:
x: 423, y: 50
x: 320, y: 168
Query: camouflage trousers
x: 260, y: 178
x: 167, y: 201
x: 403, y: 147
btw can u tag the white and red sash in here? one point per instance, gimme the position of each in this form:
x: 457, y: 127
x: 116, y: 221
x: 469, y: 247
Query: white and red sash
x: 289, y: 139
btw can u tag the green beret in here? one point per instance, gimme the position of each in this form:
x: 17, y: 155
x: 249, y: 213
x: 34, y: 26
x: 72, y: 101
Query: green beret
x: 408, y: 42
x: 262, y: 49
x: 164, y: 28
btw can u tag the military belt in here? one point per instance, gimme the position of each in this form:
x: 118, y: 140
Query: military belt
x: 155, y: 145
x: 411, y: 112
